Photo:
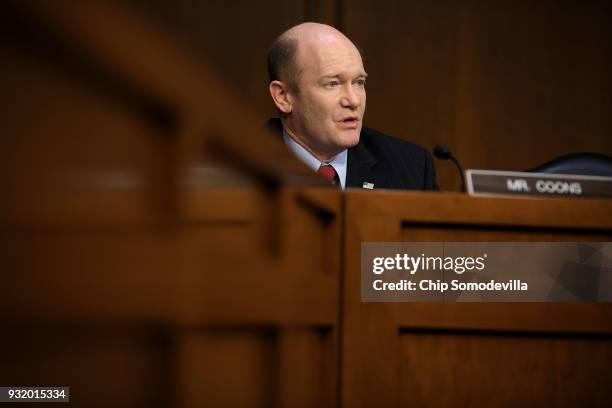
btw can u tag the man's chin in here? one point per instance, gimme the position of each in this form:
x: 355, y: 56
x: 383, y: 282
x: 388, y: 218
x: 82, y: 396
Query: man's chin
x: 350, y: 137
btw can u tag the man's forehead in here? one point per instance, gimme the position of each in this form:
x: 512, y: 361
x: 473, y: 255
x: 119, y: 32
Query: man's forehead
x: 327, y: 57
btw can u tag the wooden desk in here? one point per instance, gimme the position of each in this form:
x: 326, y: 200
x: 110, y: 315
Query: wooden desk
x: 471, y: 354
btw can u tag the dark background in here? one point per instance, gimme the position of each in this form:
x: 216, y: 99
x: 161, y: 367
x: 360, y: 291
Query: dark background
x: 506, y: 84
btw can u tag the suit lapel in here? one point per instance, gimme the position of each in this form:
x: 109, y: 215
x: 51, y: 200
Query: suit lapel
x: 359, y: 166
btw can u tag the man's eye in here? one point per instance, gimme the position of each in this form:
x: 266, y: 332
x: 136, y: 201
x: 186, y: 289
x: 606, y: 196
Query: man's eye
x: 360, y: 82
x: 332, y: 84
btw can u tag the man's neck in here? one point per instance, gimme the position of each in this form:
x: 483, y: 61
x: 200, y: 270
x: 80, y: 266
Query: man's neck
x: 322, y: 157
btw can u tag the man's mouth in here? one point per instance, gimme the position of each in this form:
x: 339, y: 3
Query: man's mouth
x: 350, y: 122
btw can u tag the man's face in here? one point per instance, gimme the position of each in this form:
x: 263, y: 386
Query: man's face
x: 327, y: 112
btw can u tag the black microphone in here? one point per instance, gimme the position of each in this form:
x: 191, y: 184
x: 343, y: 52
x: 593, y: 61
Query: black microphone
x: 444, y: 153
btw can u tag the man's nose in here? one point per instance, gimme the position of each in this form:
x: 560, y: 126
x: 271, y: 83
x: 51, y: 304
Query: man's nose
x: 350, y: 98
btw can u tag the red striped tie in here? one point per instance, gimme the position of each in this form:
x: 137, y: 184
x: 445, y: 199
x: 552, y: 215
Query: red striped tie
x: 329, y: 173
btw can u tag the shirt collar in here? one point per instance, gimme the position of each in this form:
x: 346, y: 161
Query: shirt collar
x: 338, y: 162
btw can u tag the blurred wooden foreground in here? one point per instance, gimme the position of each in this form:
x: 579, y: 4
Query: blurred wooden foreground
x: 160, y: 248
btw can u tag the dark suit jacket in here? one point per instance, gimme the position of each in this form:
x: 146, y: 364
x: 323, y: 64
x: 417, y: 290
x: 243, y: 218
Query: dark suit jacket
x: 385, y: 162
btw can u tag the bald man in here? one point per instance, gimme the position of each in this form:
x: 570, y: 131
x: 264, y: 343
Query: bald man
x: 317, y: 82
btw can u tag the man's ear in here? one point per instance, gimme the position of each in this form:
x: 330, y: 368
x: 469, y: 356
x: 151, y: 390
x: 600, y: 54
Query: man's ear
x: 280, y: 95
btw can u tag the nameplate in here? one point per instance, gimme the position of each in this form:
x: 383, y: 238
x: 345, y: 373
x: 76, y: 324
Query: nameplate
x: 484, y: 182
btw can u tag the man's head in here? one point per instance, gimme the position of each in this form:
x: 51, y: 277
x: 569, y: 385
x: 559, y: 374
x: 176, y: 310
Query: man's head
x: 317, y: 82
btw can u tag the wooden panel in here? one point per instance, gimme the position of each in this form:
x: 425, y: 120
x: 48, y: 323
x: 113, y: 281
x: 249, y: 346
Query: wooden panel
x: 60, y: 171
x: 461, y: 369
x: 238, y: 265
x: 79, y: 276
x: 552, y: 317
x: 230, y: 368
x: 255, y: 367
x: 234, y: 39
x: 506, y: 85
x: 307, y: 367
x: 101, y: 365
x: 460, y: 210
x: 155, y: 255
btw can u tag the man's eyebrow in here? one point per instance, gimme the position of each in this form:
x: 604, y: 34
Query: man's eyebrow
x: 332, y: 76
